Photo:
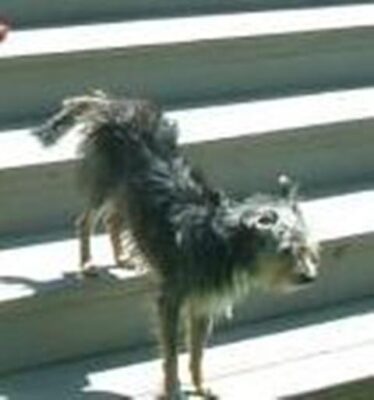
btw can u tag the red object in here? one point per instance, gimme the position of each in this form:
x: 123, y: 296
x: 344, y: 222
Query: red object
x: 4, y: 29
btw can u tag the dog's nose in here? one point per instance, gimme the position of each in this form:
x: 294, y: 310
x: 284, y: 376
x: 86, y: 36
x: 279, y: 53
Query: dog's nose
x: 305, y: 279
x: 307, y: 272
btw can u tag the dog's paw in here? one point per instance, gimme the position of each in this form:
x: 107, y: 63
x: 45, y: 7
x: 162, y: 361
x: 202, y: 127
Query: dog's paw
x: 176, y: 395
x: 209, y: 395
x: 126, y: 263
x: 179, y: 396
x: 89, y: 271
x: 203, y: 394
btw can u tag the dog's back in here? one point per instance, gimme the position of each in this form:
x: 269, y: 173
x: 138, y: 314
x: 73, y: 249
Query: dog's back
x: 107, y: 126
x: 112, y: 131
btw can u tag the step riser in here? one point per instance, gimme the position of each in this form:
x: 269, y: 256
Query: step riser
x: 41, y: 199
x: 191, y: 73
x: 38, y: 199
x: 46, y: 330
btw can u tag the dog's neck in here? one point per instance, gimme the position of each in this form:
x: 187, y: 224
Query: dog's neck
x: 178, y: 206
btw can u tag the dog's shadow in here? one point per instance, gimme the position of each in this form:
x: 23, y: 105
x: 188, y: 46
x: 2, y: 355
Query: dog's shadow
x: 70, y: 383
x: 80, y: 379
x: 98, y: 277
x: 61, y: 383
x: 360, y: 390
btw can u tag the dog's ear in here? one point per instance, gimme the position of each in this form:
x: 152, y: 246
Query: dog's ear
x: 289, y: 190
x: 259, y: 221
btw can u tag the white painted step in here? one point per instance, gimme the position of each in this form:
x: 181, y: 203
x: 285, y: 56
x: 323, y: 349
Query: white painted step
x: 251, y: 142
x: 47, y: 14
x: 284, y: 358
x: 181, y: 59
x: 215, y: 123
x: 148, y: 33
x: 65, y: 317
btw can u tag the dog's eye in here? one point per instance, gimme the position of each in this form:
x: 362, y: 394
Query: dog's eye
x: 268, y: 218
x: 287, y: 251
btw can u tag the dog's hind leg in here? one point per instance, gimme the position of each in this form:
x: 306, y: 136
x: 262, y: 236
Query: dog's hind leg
x: 198, y: 328
x: 169, y: 307
x: 84, y: 227
x: 114, y: 226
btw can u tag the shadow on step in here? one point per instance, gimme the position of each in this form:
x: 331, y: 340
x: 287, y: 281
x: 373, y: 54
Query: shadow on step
x: 83, y: 380
x: 359, y: 390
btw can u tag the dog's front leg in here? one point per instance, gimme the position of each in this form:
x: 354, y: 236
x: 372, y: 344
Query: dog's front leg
x: 169, y: 306
x: 198, y: 330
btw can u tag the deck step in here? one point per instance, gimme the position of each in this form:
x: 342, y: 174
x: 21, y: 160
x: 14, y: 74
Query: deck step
x: 259, y: 88
x: 65, y: 317
x: 189, y: 59
x: 92, y: 11
x: 288, y: 352
x: 252, y: 142
x: 173, y: 31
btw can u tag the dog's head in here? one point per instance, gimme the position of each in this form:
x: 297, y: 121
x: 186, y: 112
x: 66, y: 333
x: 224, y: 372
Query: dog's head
x: 281, y: 252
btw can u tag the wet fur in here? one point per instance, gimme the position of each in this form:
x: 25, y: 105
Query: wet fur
x: 205, y: 249
x: 102, y: 123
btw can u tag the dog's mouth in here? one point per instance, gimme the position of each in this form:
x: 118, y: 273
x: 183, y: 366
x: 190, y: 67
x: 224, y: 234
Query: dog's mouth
x: 297, y: 282
x: 304, y: 280
x: 290, y: 287
x: 303, y: 266
x: 291, y: 281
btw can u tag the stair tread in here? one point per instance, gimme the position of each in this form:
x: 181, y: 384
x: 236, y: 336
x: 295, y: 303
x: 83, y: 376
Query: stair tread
x: 173, y: 31
x: 40, y: 265
x: 289, y: 352
x: 51, y: 264
x: 214, y: 123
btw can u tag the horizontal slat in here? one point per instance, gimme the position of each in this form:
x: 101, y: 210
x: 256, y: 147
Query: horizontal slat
x: 44, y: 13
x: 299, y: 136
x: 214, y: 123
x: 183, y: 30
x: 338, y: 341
x: 181, y: 60
x: 42, y: 295
x: 332, y: 219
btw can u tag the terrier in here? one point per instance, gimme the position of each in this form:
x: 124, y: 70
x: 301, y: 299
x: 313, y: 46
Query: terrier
x: 206, y: 250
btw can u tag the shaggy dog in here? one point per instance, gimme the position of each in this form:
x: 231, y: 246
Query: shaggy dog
x: 206, y: 250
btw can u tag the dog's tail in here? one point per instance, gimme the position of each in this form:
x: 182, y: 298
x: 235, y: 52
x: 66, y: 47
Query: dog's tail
x: 73, y: 111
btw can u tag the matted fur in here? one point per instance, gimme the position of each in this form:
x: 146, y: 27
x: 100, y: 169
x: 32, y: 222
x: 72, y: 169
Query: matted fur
x: 206, y: 250
x: 102, y: 122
